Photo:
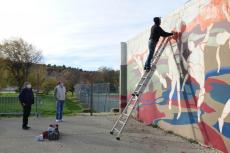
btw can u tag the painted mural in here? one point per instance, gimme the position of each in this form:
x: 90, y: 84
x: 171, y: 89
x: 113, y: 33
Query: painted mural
x: 189, y: 92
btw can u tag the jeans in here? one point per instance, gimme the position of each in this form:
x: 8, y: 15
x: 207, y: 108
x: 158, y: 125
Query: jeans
x: 59, y: 109
x: 152, y: 46
x: 26, y: 114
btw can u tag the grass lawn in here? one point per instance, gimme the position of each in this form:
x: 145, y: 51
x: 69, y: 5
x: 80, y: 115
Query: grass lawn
x: 9, y: 94
x: 71, y: 106
x: 47, y: 107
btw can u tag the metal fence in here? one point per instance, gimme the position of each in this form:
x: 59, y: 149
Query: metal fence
x: 103, y: 100
x: 10, y: 105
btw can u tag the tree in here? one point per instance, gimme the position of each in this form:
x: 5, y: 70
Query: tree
x: 49, y: 85
x: 109, y: 75
x: 38, y: 75
x: 20, y: 56
x: 71, y: 77
x: 4, y: 73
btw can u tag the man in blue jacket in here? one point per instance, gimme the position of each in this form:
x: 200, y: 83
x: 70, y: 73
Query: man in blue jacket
x: 26, y: 98
x: 156, y: 33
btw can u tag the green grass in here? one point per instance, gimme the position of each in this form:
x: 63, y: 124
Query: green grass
x: 47, y: 107
x: 9, y: 94
x: 71, y: 106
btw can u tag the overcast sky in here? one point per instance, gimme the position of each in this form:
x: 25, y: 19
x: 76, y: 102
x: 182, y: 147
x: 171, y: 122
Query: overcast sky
x: 80, y: 33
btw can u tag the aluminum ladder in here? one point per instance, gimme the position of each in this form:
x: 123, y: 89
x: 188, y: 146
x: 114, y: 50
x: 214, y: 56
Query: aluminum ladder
x: 134, y: 100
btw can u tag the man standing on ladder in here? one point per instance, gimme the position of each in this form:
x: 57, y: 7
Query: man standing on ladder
x: 156, y: 32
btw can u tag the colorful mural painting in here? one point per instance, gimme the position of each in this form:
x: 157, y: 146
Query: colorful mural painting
x: 189, y: 92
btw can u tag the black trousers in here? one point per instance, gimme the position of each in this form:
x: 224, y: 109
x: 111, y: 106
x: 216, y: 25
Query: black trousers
x: 152, y: 46
x: 26, y: 114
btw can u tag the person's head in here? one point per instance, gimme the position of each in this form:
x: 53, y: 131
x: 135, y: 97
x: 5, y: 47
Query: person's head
x: 157, y: 20
x: 27, y: 85
x: 60, y: 82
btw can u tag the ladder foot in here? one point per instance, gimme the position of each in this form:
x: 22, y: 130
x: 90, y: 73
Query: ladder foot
x: 135, y: 94
x: 118, y: 138
x: 111, y: 132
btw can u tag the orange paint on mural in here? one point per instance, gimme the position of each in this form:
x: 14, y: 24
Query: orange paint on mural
x: 212, y: 13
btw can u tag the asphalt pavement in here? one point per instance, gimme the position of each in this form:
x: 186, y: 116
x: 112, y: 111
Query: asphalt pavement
x: 90, y: 134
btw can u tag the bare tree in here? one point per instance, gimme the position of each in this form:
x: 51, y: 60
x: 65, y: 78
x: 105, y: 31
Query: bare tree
x: 20, y: 56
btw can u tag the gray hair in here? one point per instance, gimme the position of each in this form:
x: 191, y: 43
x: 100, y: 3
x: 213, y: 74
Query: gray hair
x: 25, y: 84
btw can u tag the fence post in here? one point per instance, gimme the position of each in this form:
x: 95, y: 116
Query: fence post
x: 91, y: 99
x: 36, y: 106
x: 107, y: 98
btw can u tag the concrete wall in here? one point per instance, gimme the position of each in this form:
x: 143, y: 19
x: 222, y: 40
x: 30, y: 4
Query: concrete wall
x: 190, y: 98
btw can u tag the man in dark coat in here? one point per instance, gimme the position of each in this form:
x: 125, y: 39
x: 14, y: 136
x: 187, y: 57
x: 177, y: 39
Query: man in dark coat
x: 26, y: 98
x: 156, y: 33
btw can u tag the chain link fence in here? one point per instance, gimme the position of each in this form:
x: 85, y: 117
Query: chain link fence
x: 104, y: 96
x: 10, y: 105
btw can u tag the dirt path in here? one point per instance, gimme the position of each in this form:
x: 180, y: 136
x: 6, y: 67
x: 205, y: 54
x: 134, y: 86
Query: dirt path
x: 85, y: 134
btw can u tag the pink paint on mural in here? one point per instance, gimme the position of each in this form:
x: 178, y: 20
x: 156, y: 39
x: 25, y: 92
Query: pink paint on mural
x: 148, y: 111
x: 212, y: 137
x: 209, y: 81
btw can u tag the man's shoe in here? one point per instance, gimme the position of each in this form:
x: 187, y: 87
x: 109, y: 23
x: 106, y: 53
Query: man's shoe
x: 135, y: 94
x: 25, y: 127
x: 146, y: 68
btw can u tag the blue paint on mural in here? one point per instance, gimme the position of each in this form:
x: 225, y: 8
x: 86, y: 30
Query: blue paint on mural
x: 189, y: 88
x: 223, y: 70
x: 220, y: 92
x: 225, y: 129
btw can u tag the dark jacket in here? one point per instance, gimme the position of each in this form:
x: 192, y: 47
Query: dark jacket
x: 26, y: 96
x: 156, y: 32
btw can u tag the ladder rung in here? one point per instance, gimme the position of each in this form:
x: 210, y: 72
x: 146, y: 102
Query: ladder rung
x: 125, y: 114
x: 131, y: 106
x: 121, y: 122
x: 116, y: 129
x: 134, y: 98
